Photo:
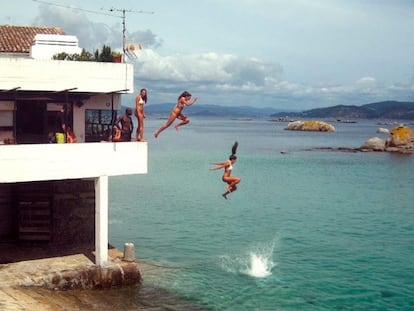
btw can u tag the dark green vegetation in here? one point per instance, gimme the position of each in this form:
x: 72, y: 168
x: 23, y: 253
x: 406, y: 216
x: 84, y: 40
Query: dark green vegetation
x: 105, y: 55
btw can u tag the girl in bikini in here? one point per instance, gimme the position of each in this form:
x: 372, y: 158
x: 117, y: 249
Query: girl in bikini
x: 231, y: 181
x: 176, y: 113
x: 140, y: 101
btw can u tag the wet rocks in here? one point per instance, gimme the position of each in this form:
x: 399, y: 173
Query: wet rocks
x: 401, y: 136
x: 382, y: 130
x: 374, y: 144
x: 401, y: 140
x: 316, y: 126
x: 94, y: 277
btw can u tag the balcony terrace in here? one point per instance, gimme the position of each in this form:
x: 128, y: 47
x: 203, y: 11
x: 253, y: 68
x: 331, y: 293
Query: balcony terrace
x: 38, y: 162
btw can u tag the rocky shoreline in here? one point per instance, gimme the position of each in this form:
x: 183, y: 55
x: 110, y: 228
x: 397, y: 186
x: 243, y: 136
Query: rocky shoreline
x: 74, y: 283
x: 401, y: 139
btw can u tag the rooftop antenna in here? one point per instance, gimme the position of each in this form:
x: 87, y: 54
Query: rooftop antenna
x: 123, y: 11
x: 112, y: 9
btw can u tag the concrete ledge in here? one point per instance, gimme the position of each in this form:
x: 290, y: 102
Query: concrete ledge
x: 71, y: 272
x: 111, y: 276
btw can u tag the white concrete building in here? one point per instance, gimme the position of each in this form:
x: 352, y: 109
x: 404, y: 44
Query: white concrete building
x: 31, y: 93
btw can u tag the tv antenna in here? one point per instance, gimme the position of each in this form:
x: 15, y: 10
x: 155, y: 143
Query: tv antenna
x: 112, y: 9
x: 123, y: 11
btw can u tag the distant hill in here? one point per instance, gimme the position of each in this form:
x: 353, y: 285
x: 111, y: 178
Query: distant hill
x: 391, y: 110
x: 380, y: 110
x: 211, y: 110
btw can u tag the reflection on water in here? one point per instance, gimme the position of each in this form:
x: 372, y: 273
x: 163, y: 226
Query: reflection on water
x: 139, y: 297
x: 130, y: 298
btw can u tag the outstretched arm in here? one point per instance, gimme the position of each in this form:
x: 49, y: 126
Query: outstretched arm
x: 188, y: 103
x: 219, y: 165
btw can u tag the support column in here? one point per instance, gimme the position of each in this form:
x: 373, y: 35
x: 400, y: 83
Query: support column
x: 101, y: 220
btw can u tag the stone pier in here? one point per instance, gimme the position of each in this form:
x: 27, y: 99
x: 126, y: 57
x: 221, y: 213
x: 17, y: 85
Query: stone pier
x: 71, y: 272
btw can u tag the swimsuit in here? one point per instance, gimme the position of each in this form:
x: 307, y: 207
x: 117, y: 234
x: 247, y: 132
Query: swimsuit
x: 179, y: 104
x: 141, y: 101
x: 230, y: 167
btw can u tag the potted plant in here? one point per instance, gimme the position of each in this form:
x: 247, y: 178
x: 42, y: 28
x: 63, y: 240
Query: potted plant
x: 117, y: 57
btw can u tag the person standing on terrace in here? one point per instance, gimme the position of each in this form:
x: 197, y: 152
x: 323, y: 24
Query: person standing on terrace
x: 140, y: 101
x: 127, y: 126
x: 61, y: 124
x: 176, y: 113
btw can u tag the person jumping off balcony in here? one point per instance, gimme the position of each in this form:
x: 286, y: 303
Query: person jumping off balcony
x: 176, y: 113
x: 231, y: 181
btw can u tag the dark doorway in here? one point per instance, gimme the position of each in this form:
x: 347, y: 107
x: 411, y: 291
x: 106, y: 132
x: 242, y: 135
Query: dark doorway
x: 31, y: 122
x: 43, y: 219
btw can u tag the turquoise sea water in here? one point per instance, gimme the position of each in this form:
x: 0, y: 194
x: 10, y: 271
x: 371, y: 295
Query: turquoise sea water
x: 306, y: 230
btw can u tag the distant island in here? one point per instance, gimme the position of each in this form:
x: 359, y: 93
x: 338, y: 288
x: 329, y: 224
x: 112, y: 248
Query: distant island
x: 389, y: 110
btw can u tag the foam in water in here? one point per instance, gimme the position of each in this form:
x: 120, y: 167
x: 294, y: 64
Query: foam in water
x: 257, y: 264
x: 260, y: 266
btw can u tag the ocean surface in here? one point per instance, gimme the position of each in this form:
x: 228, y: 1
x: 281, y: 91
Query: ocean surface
x: 309, y: 228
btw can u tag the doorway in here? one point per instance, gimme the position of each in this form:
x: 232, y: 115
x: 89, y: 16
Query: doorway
x: 31, y: 122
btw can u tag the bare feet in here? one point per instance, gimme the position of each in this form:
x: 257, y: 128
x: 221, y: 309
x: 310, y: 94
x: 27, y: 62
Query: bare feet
x: 156, y: 134
x: 224, y: 195
x: 176, y: 128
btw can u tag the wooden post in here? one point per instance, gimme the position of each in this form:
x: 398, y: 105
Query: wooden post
x: 101, y: 220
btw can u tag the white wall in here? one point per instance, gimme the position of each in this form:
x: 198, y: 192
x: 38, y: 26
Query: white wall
x: 47, y: 45
x: 59, y: 75
x: 19, y: 163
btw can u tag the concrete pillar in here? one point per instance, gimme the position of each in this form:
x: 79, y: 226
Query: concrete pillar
x: 101, y: 221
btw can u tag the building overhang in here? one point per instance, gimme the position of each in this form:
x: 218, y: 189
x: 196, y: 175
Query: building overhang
x: 23, y: 163
x: 53, y: 97
x: 63, y: 96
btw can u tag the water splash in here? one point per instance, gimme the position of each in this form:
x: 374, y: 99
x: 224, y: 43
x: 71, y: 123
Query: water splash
x: 260, y: 266
x: 257, y: 263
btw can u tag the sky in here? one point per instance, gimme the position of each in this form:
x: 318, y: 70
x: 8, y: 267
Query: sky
x: 286, y: 54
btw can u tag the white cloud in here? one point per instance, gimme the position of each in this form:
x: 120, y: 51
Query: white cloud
x: 306, y: 54
x: 366, y: 82
x: 93, y: 35
x: 228, y: 79
x: 222, y: 70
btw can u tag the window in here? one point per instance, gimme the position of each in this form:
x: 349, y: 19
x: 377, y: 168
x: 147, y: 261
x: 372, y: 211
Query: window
x: 6, y: 127
x: 98, y: 124
x: 6, y: 118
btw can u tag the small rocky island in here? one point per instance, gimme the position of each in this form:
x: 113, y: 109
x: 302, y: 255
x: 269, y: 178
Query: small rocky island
x: 401, y: 140
x: 315, y: 126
